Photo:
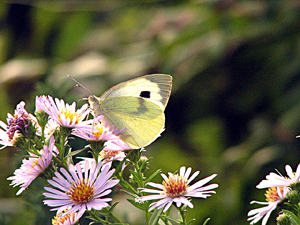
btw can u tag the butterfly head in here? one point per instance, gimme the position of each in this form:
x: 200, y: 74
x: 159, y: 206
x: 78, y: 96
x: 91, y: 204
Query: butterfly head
x: 94, y: 104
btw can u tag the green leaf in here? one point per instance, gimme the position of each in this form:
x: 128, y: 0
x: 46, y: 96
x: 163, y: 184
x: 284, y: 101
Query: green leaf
x: 170, y: 218
x: 153, y: 175
x: 111, y: 208
x: 72, y: 153
x: 294, y: 219
x: 155, y: 217
x: 124, y: 184
x: 130, y: 194
x: 205, y: 222
x: 136, y: 204
x: 137, y: 178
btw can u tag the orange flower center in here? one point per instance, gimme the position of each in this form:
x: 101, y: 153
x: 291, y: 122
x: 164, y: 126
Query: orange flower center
x: 272, y: 194
x: 175, y: 186
x: 108, y: 154
x: 81, y: 192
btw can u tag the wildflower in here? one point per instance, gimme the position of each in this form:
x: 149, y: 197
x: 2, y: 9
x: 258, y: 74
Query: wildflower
x: 68, y: 219
x: 33, y: 167
x: 275, y: 180
x: 116, y: 145
x: 98, y: 132
x: 64, y: 114
x: 80, y: 189
x: 20, y: 124
x: 51, y: 127
x: 274, y: 195
x: 176, y: 188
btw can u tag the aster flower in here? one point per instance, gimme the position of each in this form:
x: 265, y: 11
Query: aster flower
x: 31, y: 168
x: 176, y: 188
x: 80, y: 189
x: 98, y: 132
x: 20, y: 124
x: 64, y: 114
x: 116, y: 145
x: 51, y: 127
x: 275, y: 180
x: 68, y: 219
x: 274, y: 196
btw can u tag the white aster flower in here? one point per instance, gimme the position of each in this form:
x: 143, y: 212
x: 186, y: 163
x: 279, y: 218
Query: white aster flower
x: 274, y: 196
x: 275, y: 180
x: 176, y: 188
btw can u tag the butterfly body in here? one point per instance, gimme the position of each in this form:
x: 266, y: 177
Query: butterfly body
x: 137, y: 105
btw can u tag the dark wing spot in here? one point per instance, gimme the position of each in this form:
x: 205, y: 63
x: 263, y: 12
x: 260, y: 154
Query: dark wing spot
x: 145, y: 94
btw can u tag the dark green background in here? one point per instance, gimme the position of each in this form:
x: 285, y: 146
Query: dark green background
x: 235, y: 105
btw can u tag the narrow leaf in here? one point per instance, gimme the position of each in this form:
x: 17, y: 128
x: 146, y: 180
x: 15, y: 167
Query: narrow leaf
x: 155, y: 217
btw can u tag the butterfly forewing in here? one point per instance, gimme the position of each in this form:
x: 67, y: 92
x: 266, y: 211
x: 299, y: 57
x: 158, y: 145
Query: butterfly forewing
x: 155, y: 87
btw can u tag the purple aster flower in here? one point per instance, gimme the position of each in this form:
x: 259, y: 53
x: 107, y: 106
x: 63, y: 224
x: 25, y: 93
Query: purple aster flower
x: 64, y: 114
x: 33, y: 167
x: 18, y: 125
x: 68, y: 219
x: 97, y: 132
x: 80, y: 189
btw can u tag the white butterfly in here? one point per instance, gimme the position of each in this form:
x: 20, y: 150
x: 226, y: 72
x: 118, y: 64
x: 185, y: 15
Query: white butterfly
x: 137, y: 105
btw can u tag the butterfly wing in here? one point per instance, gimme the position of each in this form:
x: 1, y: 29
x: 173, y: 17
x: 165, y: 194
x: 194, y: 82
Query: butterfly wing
x: 143, y: 119
x: 155, y: 87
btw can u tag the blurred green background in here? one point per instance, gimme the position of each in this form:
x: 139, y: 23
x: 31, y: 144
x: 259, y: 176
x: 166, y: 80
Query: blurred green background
x: 235, y: 105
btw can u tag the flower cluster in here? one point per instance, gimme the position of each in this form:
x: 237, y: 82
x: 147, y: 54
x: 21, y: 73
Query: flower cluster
x: 279, y: 189
x: 74, y: 189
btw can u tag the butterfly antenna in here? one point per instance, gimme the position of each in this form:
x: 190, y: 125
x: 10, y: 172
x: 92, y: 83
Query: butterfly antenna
x: 79, y: 84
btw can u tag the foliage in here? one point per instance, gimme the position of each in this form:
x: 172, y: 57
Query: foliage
x: 235, y: 105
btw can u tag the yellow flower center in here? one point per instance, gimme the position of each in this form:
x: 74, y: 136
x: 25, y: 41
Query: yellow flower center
x: 57, y: 220
x: 81, y: 192
x: 175, y: 186
x: 97, y: 131
x: 69, y: 114
x: 272, y: 194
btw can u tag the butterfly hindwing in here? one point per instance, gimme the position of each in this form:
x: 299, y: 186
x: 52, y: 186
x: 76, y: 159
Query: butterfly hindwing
x: 143, y: 120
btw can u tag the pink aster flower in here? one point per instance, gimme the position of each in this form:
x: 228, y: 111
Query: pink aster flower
x: 176, y: 188
x: 18, y: 125
x: 116, y: 145
x: 33, y: 167
x: 80, y: 189
x: 64, y: 114
x: 274, y: 196
x: 275, y: 180
x: 98, y: 132
x: 68, y: 219
x: 106, y: 157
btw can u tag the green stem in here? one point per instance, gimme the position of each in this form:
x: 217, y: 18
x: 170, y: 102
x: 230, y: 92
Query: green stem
x: 183, y: 215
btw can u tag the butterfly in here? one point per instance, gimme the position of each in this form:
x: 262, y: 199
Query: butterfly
x: 137, y: 105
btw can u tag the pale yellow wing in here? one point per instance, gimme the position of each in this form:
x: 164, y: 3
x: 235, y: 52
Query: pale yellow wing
x: 143, y: 119
x: 155, y: 87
